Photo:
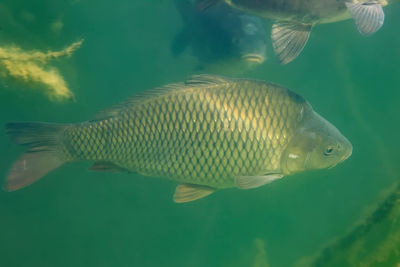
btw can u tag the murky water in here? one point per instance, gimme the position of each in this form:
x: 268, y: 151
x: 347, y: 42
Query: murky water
x: 74, y: 217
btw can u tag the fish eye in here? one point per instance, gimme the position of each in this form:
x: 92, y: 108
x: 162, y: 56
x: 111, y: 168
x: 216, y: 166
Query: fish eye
x: 328, y: 151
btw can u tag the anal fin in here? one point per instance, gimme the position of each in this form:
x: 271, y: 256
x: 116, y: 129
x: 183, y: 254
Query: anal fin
x: 104, y: 166
x: 289, y: 39
x: 369, y: 16
x: 191, y: 192
x: 248, y: 182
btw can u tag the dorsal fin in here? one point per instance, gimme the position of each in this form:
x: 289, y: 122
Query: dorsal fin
x: 206, y: 80
x: 115, y: 110
x: 195, y: 81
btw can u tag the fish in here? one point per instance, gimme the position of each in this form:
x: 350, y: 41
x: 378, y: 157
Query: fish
x: 208, y: 133
x: 294, y: 19
x: 220, y: 34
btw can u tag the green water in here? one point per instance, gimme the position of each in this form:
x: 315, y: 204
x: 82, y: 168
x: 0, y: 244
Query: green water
x: 74, y: 217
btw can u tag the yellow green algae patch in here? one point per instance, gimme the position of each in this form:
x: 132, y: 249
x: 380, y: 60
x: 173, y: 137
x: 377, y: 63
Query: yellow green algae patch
x: 251, y: 255
x: 260, y: 259
x: 33, y: 67
x: 375, y: 241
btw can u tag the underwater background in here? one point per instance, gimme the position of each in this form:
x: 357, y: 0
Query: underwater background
x: 75, y: 217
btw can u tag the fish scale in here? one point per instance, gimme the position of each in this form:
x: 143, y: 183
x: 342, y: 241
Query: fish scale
x: 200, y: 133
x: 207, y: 133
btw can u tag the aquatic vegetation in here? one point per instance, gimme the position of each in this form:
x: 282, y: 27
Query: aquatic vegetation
x: 375, y: 241
x: 253, y: 254
x: 33, y: 67
x: 260, y: 258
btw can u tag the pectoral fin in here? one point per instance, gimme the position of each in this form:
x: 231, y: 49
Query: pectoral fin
x: 191, y: 192
x: 369, y: 16
x: 103, y: 166
x: 289, y: 39
x: 248, y: 182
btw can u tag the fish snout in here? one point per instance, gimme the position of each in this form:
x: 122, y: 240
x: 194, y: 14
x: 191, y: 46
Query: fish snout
x: 346, y: 155
x: 349, y: 152
x: 254, y: 58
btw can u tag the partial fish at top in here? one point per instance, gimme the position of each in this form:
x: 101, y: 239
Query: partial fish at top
x: 294, y: 19
x: 221, y: 36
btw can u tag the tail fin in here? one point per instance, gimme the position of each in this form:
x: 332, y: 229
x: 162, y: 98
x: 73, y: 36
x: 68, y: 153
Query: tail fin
x: 42, y: 156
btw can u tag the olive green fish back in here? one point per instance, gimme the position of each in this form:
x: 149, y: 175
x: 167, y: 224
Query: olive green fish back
x: 205, y: 131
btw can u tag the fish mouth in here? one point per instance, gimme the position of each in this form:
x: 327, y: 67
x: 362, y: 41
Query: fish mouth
x: 349, y: 152
x: 253, y: 58
x: 345, y: 156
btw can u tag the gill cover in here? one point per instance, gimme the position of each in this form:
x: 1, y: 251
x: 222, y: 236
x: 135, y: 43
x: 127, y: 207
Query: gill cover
x: 316, y: 144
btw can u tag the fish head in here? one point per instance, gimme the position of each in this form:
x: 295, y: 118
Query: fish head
x: 247, y: 35
x: 251, y: 39
x: 221, y: 34
x: 316, y: 144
